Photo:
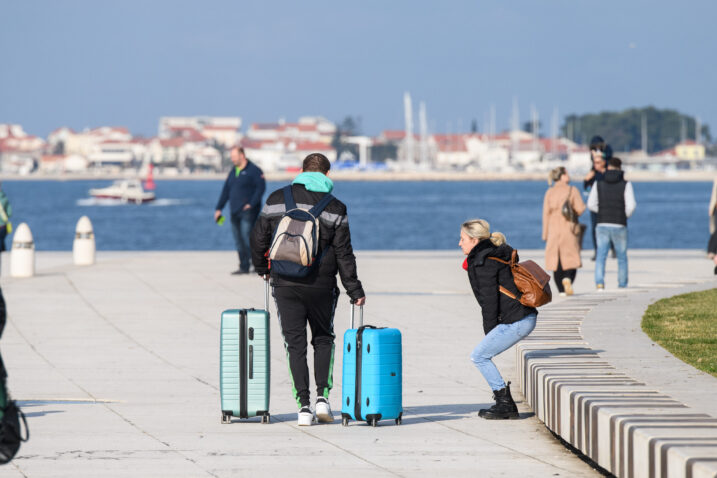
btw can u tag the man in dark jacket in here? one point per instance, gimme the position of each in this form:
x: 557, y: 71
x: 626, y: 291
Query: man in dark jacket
x: 311, y: 298
x: 613, y: 200
x: 600, y: 153
x: 243, y: 188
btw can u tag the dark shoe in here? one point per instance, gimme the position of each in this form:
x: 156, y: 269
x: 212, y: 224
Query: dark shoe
x: 504, y: 407
x: 239, y: 272
x: 593, y: 258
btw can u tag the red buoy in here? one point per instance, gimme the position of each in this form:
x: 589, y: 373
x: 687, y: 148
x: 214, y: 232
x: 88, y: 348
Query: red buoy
x: 149, y: 182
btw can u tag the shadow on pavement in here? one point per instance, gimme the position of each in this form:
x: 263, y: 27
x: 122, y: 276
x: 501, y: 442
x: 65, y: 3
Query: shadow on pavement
x: 42, y: 414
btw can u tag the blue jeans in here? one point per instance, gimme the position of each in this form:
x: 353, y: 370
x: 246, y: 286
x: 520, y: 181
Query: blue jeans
x: 241, y: 229
x: 617, y: 235
x: 501, y: 338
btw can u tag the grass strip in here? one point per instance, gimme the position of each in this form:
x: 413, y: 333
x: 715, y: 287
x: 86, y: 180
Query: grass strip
x: 686, y: 325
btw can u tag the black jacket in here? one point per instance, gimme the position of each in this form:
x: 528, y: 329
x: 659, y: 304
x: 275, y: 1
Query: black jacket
x: 611, y: 198
x: 598, y: 176
x: 486, y: 276
x: 335, y: 247
x: 246, y: 188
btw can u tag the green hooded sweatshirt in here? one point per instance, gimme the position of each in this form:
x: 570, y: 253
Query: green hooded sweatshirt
x: 315, y: 181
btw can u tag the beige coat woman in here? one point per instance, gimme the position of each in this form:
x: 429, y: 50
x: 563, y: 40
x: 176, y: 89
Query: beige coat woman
x: 558, y: 232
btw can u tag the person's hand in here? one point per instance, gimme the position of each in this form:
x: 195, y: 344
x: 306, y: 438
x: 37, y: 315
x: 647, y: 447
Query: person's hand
x: 246, y: 206
x: 360, y: 301
x: 265, y: 276
x: 217, y: 213
x: 590, y: 175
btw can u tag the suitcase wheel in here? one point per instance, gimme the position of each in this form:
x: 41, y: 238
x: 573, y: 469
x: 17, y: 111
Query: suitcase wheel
x: 373, y: 422
x: 226, y: 418
x: 398, y: 421
x: 265, y: 418
x: 345, y: 421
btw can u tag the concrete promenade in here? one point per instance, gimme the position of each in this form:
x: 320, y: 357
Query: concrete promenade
x: 116, y: 366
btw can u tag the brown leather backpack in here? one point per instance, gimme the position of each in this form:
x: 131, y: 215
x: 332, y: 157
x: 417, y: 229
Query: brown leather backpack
x: 532, y: 282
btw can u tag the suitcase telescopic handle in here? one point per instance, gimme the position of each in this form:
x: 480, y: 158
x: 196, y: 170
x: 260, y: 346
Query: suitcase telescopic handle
x: 266, y: 294
x: 353, y: 314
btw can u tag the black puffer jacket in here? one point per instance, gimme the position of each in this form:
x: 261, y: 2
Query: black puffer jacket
x: 335, y: 247
x: 486, y: 276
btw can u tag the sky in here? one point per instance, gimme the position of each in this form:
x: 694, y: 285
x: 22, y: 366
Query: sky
x: 87, y: 63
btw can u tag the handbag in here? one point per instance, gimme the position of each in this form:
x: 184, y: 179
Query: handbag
x: 579, y: 231
x: 11, y: 422
x: 569, y: 213
x: 567, y: 209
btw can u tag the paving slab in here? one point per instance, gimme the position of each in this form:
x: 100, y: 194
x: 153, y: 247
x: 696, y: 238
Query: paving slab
x: 116, y: 366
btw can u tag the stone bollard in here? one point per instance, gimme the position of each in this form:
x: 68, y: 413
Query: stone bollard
x: 83, y: 248
x: 22, y: 255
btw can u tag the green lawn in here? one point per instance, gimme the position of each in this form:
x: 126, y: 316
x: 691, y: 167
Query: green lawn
x: 686, y: 325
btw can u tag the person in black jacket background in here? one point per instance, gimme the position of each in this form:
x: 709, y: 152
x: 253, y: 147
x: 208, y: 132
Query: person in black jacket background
x: 505, y: 320
x: 600, y: 153
x: 312, y: 298
x: 243, y: 188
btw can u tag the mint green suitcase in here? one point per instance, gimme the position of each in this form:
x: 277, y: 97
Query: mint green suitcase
x: 244, y: 363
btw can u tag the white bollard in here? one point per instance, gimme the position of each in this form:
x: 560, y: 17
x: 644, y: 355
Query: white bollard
x: 22, y: 255
x: 83, y: 248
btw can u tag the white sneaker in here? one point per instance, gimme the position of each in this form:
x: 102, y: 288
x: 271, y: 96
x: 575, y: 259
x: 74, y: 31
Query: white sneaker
x: 306, y: 417
x: 323, y: 411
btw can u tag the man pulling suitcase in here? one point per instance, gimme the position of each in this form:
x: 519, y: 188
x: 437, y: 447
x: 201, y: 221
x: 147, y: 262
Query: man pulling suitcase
x: 302, y: 239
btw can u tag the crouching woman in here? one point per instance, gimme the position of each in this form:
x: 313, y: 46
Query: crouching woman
x: 505, y: 320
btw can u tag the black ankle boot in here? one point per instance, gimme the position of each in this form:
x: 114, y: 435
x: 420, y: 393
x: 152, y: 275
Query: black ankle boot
x: 504, y: 407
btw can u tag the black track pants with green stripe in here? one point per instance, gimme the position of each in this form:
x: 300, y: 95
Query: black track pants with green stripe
x: 297, y: 306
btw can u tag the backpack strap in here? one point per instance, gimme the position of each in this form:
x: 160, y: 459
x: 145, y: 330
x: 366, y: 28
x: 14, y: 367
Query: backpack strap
x: 321, y: 205
x: 289, y: 198
x: 499, y: 260
x: 513, y: 259
x: 500, y: 287
x: 314, y: 211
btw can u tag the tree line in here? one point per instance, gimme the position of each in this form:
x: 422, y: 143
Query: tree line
x: 623, y: 129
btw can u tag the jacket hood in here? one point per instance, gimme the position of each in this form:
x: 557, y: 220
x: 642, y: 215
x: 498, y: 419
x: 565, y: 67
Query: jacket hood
x: 614, y: 176
x: 315, y: 181
x: 485, y: 249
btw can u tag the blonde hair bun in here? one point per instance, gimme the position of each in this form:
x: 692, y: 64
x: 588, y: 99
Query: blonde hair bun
x: 480, y: 229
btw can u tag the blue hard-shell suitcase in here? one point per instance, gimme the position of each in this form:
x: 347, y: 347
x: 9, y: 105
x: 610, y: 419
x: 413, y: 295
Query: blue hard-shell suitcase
x: 371, y: 388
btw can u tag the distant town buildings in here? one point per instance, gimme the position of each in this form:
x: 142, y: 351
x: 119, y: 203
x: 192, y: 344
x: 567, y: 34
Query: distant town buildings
x: 18, y: 150
x: 282, y: 145
x: 200, y: 144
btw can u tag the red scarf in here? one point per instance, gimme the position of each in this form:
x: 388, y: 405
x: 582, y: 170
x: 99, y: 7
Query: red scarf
x: 465, y: 264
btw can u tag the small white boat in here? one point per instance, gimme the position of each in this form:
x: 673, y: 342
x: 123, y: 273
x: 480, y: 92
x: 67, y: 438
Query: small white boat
x: 126, y: 190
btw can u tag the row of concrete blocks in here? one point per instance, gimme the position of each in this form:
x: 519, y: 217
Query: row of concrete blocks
x: 623, y: 425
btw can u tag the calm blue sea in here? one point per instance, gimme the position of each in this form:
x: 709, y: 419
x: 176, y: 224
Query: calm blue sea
x: 382, y: 215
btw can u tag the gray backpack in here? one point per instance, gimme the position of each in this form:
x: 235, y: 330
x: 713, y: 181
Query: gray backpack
x: 295, y: 244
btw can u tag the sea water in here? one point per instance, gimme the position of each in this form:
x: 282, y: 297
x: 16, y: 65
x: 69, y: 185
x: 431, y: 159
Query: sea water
x: 383, y: 215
